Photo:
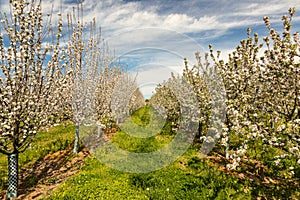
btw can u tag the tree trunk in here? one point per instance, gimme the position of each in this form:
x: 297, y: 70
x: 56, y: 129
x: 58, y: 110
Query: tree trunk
x: 227, y: 148
x: 200, y: 130
x: 99, y: 131
x: 12, y: 176
x: 76, y: 143
x: 110, y: 124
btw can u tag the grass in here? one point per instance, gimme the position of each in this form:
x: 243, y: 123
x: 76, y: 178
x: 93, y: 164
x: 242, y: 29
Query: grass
x: 137, y: 135
x: 45, y: 142
x: 189, y: 177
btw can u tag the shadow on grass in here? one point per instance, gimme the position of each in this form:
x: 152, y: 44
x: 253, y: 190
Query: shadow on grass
x: 49, y: 171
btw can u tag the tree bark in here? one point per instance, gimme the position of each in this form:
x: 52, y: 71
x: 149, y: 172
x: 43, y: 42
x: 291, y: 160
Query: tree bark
x: 99, y: 131
x: 76, y: 143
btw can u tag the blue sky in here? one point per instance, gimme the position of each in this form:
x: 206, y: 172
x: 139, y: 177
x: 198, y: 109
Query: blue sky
x: 153, y: 36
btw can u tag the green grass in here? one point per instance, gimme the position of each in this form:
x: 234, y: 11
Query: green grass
x: 45, y: 142
x: 189, y: 177
x: 139, y: 145
x: 142, y: 133
x: 194, y: 180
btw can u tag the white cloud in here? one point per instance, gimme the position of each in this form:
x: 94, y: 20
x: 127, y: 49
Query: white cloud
x: 171, y: 29
x: 4, y: 6
x: 151, y: 74
x: 274, y: 7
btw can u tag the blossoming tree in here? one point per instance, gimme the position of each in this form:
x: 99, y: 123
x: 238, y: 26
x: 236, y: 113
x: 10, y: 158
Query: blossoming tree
x: 263, y: 91
x: 83, y: 63
x: 29, y: 77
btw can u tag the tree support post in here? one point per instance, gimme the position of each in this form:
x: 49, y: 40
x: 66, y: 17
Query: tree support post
x: 12, y: 190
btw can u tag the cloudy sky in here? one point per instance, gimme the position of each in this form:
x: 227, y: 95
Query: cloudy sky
x: 153, y: 36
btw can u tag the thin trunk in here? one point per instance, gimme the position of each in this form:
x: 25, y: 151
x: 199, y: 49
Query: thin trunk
x: 227, y: 148
x: 12, y: 190
x: 110, y: 124
x: 228, y: 137
x: 200, y: 130
x: 76, y: 143
x: 99, y: 131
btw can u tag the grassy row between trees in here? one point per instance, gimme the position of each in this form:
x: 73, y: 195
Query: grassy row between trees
x: 189, y: 177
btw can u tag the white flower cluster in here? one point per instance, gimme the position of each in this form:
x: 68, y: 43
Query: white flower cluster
x: 262, y: 92
x: 42, y: 82
x: 29, y: 81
